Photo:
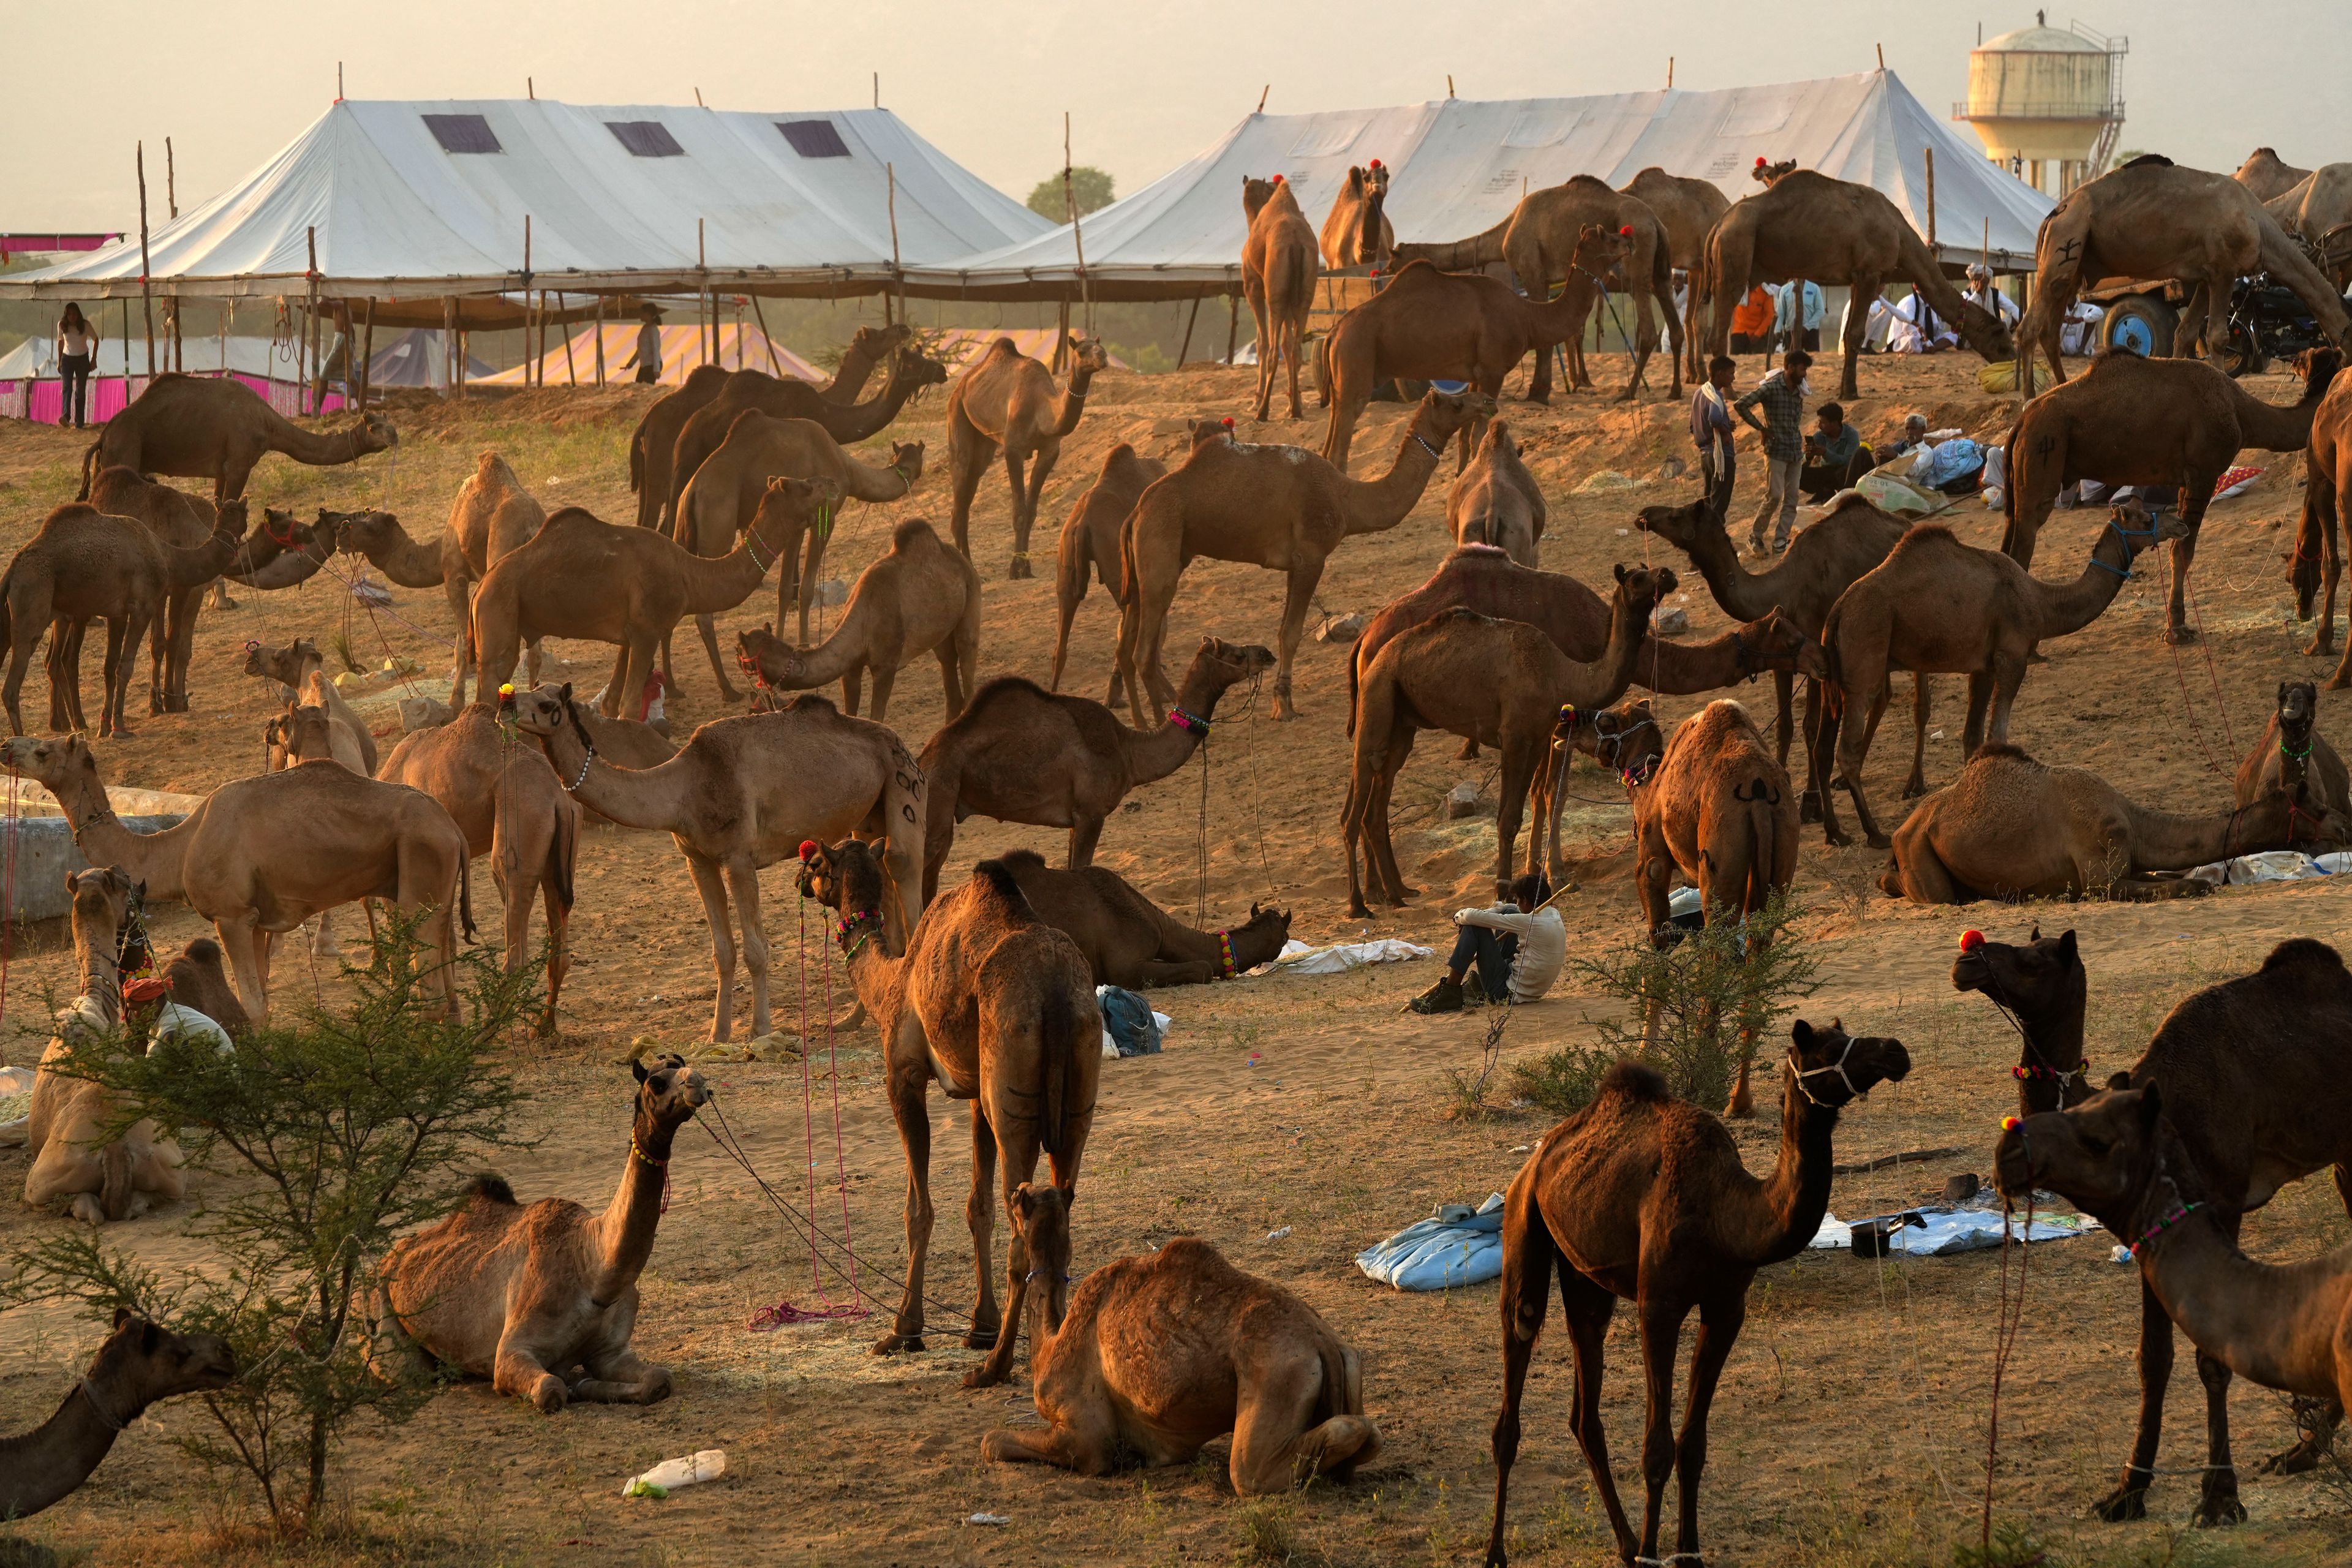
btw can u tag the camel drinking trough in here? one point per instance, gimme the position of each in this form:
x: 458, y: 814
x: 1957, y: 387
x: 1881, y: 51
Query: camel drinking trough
x: 39, y: 850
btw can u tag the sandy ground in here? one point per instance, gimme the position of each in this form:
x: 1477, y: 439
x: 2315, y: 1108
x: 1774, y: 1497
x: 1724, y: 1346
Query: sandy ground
x: 1851, y: 1422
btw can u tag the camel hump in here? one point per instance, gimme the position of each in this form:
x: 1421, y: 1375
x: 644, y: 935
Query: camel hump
x: 995, y: 878
x: 912, y: 531
x: 491, y: 1188
x: 1022, y: 859
x: 2302, y: 950
x: 1921, y: 535
x: 2152, y: 160
x: 1633, y: 1080
x: 2000, y: 752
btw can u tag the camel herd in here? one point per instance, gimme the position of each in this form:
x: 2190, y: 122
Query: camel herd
x: 984, y: 982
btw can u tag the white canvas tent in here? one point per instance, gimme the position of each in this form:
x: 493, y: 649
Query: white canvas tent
x: 1458, y: 167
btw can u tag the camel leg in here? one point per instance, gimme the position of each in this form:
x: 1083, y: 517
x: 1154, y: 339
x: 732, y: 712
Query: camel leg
x: 1661, y: 1333
x: 1085, y: 834
x: 2129, y: 1499
x: 23, y: 631
x: 950, y: 680
x: 969, y: 452
x: 1853, y: 752
x: 980, y: 1217
x: 518, y: 1373
x: 2338, y: 515
x: 1916, y: 785
x: 1074, y: 584
x: 1510, y: 809
x: 1972, y: 731
x: 1784, y: 726
x: 709, y: 627
x: 1588, y: 1310
x: 852, y: 686
x: 1269, y: 349
x: 627, y: 1378
x: 1918, y: 873
x: 914, y: 1119
x: 1822, y: 728
x: 1389, y: 879
x: 2007, y: 675
x: 884, y: 679
x: 2194, y: 495
x: 743, y: 883
x: 62, y: 665
x: 1719, y: 1330
x: 1529, y: 1256
x: 1296, y: 603
x: 1351, y: 835
x: 1083, y: 1438
x: 2319, y: 507
x: 1278, y: 1442
x: 121, y: 655
x: 708, y: 882
x: 1294, y: 345
x: 236, y: 940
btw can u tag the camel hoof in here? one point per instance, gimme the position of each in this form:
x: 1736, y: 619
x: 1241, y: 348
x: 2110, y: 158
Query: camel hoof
x: 1880, y: 841
x: 2218, y: 1509
x: 1837, y: 839
x: 1914, y: 789
x: 2121, y: 1505
x: 2319, y: 649
x: 2180, y: 636
x: 1811, y: 809
x: 725, y: 693
x: 1020, y: 567
x: 2338, y: 682
x: 981, y: 1377
x: 897, y: 1344
x: 1358, y: 910
x: 979, y: 1339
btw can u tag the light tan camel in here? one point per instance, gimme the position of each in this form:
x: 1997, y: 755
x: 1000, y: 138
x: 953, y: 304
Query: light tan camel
x: 1282, y: 508
x: 1157, y: 1357
x: 2151, y: 218
x: 2267, y: 176
x: 262, y: 854
x: 102, y: 1178
x: 290, y: 669
x: 1000, y: 1008
x: 1278, y: 273
x: 921, y: 596
x: 202, y: 427
x: 1495, y: 500
x: 507, y: 801
x: 582, y: 577
x: 1131, y: 941
x: 140, y: 1365
x: 1644, y: 1197
x: 2010, y: 827
x: 1020, y: 754
x: 1005, y: 404
x: 175, y: 518
x: 1806, y: 226
x: 2134, y: 421
x: 1936, y: 606
x: 1499, y: 683
x: 541, y: 1300
x: 1357, y: 231
x: 307, y: 731
x: 742, y: 795
x: 2294, y: 757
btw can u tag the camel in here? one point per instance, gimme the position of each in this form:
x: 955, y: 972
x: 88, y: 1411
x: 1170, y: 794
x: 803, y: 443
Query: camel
x: 2326, y: 500
x: 1282, y: 508
x: 1157, y: 1356
x: 1625, y: 740
x: 1357, y: 231
x: 204, y: 427
x: 2041, y: 986
x: 725, y: 494
x: 507, y: 801
x: 528, y: 1296
x: 284, y: 554
x: 1500, y: 683
x: 1806, y: 226
x: 291, y: 668
x: 1540, y: 242
x: 1936, y: 606
x: 1020, y: 754
x: 2133, y: 421
x: 741, y: 795
x: 1495, y: 500
x: 2293, y: 756
x: 1005, y: 403
x: 1000, y: 1008
x: 140, y: 1365
x: 920, y: 596
x: 582, y: 577
x: 1643, y: 1197
x: 262, y: 854
x: 83, y: 1150
x: 2151, y: 218
x: 2265, y: 175
x: 1689, y: 208
x: 1132, y: 942
x: 1278, y: 273
x: 2313, y: 209
x: 175, y: 518
x: 2010, y: 827
x: 307, y: 732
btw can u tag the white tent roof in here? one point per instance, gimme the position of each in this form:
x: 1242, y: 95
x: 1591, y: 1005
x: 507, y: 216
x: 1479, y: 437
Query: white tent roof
x: 1458, y: 167
x: 427, y: 199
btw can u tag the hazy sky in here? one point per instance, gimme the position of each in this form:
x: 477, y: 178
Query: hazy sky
x: 232, y: 82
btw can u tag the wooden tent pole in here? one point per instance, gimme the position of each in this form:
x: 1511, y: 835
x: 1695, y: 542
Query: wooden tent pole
x: 897, y: 281
x: 1232, y: 325
x: 1188, y: 320
x: 146, y: 297
x: 367, y: 352
x: 600, y: 340
x: 761, y: 317
x: 310, y: 322
x: 571, y: 366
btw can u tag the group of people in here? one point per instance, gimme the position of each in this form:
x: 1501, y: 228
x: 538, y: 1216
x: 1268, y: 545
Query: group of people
x: 1814, y: 463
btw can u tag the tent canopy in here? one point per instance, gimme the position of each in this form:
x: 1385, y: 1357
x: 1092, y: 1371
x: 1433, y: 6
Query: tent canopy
x: 417, y: 201
x: 1458, y: 167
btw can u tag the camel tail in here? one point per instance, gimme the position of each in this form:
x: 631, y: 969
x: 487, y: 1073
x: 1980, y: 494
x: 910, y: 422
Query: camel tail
x: 466, y: 895
x: 1057, y: 1060
x: 115, y: 1172
x: 90, y: 466
x: 637, y: 459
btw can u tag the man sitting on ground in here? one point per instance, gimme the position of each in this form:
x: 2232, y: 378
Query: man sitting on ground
x: 1518, y: 948
x: 1834, y: 455
x: 1915, y: 436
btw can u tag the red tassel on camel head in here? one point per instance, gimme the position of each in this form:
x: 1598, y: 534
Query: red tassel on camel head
x: 1971, y: 940
x: 808, y: 849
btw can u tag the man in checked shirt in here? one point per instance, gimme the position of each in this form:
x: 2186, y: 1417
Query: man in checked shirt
x: 1782, y: 394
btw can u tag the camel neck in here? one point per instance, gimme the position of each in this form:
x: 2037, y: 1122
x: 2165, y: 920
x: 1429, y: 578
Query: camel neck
x: 633, y: 797
x: 2164, y: 841
x: 2050, y: 1072
x: 1750, y: 596
x: 1602, y: 682
x: 154, y: 859
x: 1375, y: 506
x: 186, y: 566
x: 721, y: 584
x: 879, y: 979
x: 626, y: 1230
x: 2274, y: 429
x: 408, y: 563
x: 1156, y: 753
x: 288, y: 568
x: 854, y: 422
x: 1783, y: 1213
x: 49, y: 1462
x: 1071, y: 404
x: 317, y: 451
x: 857, y: 363
x: 101, y: 976
x: 2076, y: 604
x: 874, y: 481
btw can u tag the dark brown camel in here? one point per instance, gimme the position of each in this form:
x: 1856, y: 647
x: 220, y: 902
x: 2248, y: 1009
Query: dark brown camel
x: 175, y: 518
x: 2040, y: 986
x: 139, y: 1364
x: 1131, y: 941
x: 203, y: 427
x: 2293, y: 757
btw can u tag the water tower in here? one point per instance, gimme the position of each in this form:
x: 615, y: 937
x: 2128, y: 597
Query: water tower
x: 2040, y: 96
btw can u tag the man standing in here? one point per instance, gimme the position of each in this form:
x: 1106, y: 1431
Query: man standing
x: 1837, y: 456
x: 648, y: 359
x: 1782, y: 394
x: 1984, y: 294
x: 1712, y: 432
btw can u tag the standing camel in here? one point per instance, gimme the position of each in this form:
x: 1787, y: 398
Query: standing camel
x: 2134, y: 421
x: 1005, y: 403
x: 1282, y: 508
x: 1495, y: 500
x: 1689, y: 208
x: 1278, y: 273
x: 741, y: 795
x: 1643, y: 1197
x: 175, y: 518
x: 1357, y: 231
x: 140, y: 1365
x: 203, y: 427
x: 921, y: 596
x: 1000, y: 1008
x: 2326, y: 501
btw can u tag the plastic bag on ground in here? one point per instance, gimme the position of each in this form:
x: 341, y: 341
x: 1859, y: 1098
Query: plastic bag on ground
x: 2266, y: 866
x: 1298, y: 958
x: 1937, y: 1232
x: 708, y: 1465
x: 1456, y: 1245
x: 1130, y: 1028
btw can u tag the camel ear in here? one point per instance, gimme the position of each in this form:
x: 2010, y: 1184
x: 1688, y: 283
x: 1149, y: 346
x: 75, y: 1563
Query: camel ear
x: 121, y: 1316
x: 1025, y: 1202
x: 150, y: 1338
x: 2034, y: 935
x: 2067, y: 946
x: 1621, y: 570
x: 2151, y: 1104
x: 1803, y: 1034
x: 2119, y: 1080
x: 637, y: 1066
x: 565, y: 695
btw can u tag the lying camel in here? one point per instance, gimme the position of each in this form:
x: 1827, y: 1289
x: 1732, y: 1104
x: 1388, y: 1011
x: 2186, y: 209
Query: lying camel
x: 1132, y: 942
x: 2134, y: 421
x: 920, y: 597
x: 1156, y: 1357
x: 1000, y: 1008
x: 530, y: 1297
x: 262, y: 854
x: 2293, y: 756
x: 1280, y: 266
x: 291, y: 668
x: 1005, y: 403
x: 1936, y: 606
x: 1643, y: 1197
x: 741, y: 796
x: 306, y: 732
x: 1356, y: 231
x: 2010, y: 827
x: 2040, y: 985
x: 175, y: 518
x: 1020, y: 754
x: 1282, y: 508
x: 140, y: 1365
x: 218, y: 428
x: 1495, y: 500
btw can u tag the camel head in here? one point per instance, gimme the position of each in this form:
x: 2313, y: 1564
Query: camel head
x: 789, y: 505
x: 1642, y: 587
x: 230, y: 518
x: 1602, y: 251
x: 1203, y: 431
x: 2039, y: 976
x: 283, y: 665
x: 142, y: 1362
x: 1041, y: 1216
x: 762, y: 653
x: 1626, y: 739
x: 1985, y: 333
x: 1498, y: 440
x: 56, y: 760
x: 846, y: 876
x: 1224, y: 664
x: 1768, y: 174
x: 668, y: 1094
x: 1681, y: 526
x: 2317, y: 367
x: 373, y: 433
x: 914, y: 370
x: 2105, y: 1155
x: 907, y: 461
x: 2280, y: 819
x: 543, y: 710
x: 1255, y: 193
x: 1374, y: 177
x: 280, y: 527
x: 1274, y: 922
x: 2140, y: 530
x: 1443, y: 414
x: 305, y: 735
x: 1832, y: 1069
x: 1087, y: 354
x: 876, y: 342
x: 370, y: 533
x: 1776, y: 644
x: 2298, y: 708
x: 102, y: 897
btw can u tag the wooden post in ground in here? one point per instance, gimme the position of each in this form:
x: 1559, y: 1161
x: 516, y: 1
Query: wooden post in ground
x: 449, y: 348
x: 1062, y: 337
x: 146, y: 296
x: 761, y: 317
x: 898, y: 282
x: 310, y: 322
x: 1188, y: 320
x: 571, y: 366
x: 367, y: 350
x: 600, y: 340
x: 1232, y: 325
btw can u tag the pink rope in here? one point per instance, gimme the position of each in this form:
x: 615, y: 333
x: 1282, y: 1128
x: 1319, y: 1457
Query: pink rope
x: 840, y: 1158
x: 8, y: 896
x: 808, y: 1117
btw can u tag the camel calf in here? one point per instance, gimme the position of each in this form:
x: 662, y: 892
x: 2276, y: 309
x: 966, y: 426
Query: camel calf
x: 1157, y: 1356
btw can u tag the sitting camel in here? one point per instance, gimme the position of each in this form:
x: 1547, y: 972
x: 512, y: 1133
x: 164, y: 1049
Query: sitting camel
x: 1282, y: 508
x: 175, y: 518
x: 292, y: 667
x: 1495, y: 500
x: 2134, y: 421
x: 741, y: 795
x: 1280, y: 266
x: 2010, y: 827
x: 1643, y: 1197
x: 2040, y: 985
x: 1000, y: 1008
x: 530, y: 1297
x: 1499, y: 683
x: 218, y: 428
x: 140, y: 1365
x: 1020, y: 754
x: 1006, y: 403
x: 1156, y: 1357
x: 306, y: 732
x: 1936, y: 606
x: 1132, y: 942
x: 262, y: 854
x: 2293, y: 756
x: 920, y: 597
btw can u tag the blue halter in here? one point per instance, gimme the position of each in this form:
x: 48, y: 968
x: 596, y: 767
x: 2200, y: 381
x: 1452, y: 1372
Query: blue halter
x: 2127, y: 535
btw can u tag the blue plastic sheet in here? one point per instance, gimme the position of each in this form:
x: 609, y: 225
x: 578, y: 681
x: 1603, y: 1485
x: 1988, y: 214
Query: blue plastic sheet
x: 1456, y: 1245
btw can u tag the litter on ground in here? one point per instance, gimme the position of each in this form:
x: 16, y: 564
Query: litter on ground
x: 1298, y: 958
x: 1456, y: 1246
x: 1131, y: 1028
x: 1936, y: 1232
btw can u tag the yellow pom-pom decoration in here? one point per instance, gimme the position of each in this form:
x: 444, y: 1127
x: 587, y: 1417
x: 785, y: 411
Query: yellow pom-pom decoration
x: 2008, y: 1125
x: 507, y: 689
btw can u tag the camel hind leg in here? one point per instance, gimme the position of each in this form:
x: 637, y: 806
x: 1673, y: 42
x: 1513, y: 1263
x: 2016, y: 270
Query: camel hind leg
x: 1278, y: 1442
x: 1084, y: 1439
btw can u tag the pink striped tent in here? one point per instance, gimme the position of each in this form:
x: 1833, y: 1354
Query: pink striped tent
x: 742, y: 346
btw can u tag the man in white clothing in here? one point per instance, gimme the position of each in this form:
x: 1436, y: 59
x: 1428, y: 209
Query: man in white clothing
x: 1518, y: 948
x: 1984, y: 294
x: 1919, y: 328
